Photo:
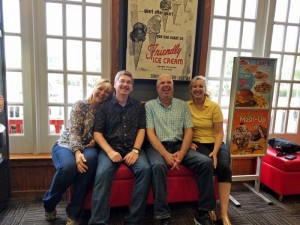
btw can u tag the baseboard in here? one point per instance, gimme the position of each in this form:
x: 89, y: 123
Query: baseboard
x: 28, y: 194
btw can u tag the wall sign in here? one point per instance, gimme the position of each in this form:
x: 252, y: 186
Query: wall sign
x: 161, y: 38
x: 250, y: 105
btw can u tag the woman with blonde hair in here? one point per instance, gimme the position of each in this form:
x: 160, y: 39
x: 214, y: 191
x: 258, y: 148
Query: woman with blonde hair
x: 75, y: 156
x: 208, y: 139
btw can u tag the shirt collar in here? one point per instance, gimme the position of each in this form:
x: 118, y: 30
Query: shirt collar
x: 207, y: 102
x: 159, y: 102
x: 116, y: 101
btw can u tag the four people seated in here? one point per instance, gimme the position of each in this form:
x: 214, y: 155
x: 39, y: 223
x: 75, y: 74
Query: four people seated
x: 149, y: 140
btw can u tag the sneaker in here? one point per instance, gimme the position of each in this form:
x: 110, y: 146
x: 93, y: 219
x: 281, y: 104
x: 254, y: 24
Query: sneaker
x: 203, y: 220
x: 50, y: 216
x: 72, y: 222
x: 165, y: 221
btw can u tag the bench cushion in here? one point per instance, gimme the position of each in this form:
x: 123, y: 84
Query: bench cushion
x: 282, y: 163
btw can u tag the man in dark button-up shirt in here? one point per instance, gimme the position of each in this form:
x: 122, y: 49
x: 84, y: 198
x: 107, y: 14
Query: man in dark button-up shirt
x: 121, y: 124
x: 120, y: 130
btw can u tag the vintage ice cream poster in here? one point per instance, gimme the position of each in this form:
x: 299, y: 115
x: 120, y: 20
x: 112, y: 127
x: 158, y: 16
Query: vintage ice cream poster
x: 161, y: 38
x: 249, y: 132
x: 255, y: 82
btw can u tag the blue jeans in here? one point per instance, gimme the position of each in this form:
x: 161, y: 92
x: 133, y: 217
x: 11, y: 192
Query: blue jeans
x: 102, y: 188
x: 66, y: 174
x: 199, y: 163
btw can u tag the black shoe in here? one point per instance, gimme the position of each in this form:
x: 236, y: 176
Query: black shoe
x: 166, y: 221
x: 203, y: 220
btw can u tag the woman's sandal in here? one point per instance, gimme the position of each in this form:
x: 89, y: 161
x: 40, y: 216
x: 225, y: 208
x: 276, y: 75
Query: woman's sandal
x: 226, y: 221
x: 212, y: 215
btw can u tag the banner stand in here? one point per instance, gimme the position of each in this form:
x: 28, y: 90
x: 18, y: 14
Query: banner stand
x: 251, y: 97
x: 256, y: 179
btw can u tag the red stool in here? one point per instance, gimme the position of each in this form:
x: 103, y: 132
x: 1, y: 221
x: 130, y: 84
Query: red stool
x: 280, y: 174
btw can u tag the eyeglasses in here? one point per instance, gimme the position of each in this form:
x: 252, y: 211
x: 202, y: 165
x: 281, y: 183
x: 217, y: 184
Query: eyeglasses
x: 129, y: 82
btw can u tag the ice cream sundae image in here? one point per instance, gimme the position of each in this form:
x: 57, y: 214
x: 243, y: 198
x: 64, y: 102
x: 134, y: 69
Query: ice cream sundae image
x: 259, y: 132
x: 175, y: 6
x: 138, y: 36
x: 154, y: 25
x: 241, y: 137
x: 263, y: 87
x: 261, y: 75
x: 165, y: 6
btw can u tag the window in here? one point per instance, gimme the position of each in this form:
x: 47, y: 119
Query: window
x: 53, y: 51
x: 259, y: 29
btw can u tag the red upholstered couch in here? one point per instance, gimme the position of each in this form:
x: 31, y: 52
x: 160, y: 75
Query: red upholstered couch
x: 280, y: 174
x: 182, y: 187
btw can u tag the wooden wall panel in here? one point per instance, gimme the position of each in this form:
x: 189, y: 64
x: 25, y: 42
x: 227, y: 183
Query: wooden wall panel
x: 115, y: 17
x: 243, y: 166
x: 30, y: 177
x: 205, y: 37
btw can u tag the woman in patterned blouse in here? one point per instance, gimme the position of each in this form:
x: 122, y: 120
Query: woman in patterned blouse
x: 74, y: 155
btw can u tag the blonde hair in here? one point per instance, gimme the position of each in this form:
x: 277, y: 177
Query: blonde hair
x: 200, y: 77
x: 103, y: 83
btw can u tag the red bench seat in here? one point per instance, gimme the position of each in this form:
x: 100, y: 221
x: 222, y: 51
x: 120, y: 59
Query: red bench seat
x: 182, y: 187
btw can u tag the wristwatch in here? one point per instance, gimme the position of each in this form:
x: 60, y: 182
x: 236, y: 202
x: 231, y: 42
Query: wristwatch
x: 136, y: 150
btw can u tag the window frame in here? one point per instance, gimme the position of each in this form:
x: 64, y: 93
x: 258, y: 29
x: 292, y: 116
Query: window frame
x: 36, y: 138
x: 264, y: 28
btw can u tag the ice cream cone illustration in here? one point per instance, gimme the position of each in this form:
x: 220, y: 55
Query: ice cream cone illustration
x: 153, y: 26
x: 175, y: 7
x: 138, y: 36
x: 152, y: 40
x: 184, y: 4
x: 137, y: 47
x: 165, y: 6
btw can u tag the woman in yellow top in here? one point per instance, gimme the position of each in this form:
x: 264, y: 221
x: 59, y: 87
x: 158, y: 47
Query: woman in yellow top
x: 208, y: 139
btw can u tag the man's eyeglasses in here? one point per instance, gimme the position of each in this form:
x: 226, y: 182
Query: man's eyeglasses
x: 129, y: 82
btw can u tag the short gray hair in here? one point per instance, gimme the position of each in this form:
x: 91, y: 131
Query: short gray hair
x: 123, y: 72
x: 163, y: 75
